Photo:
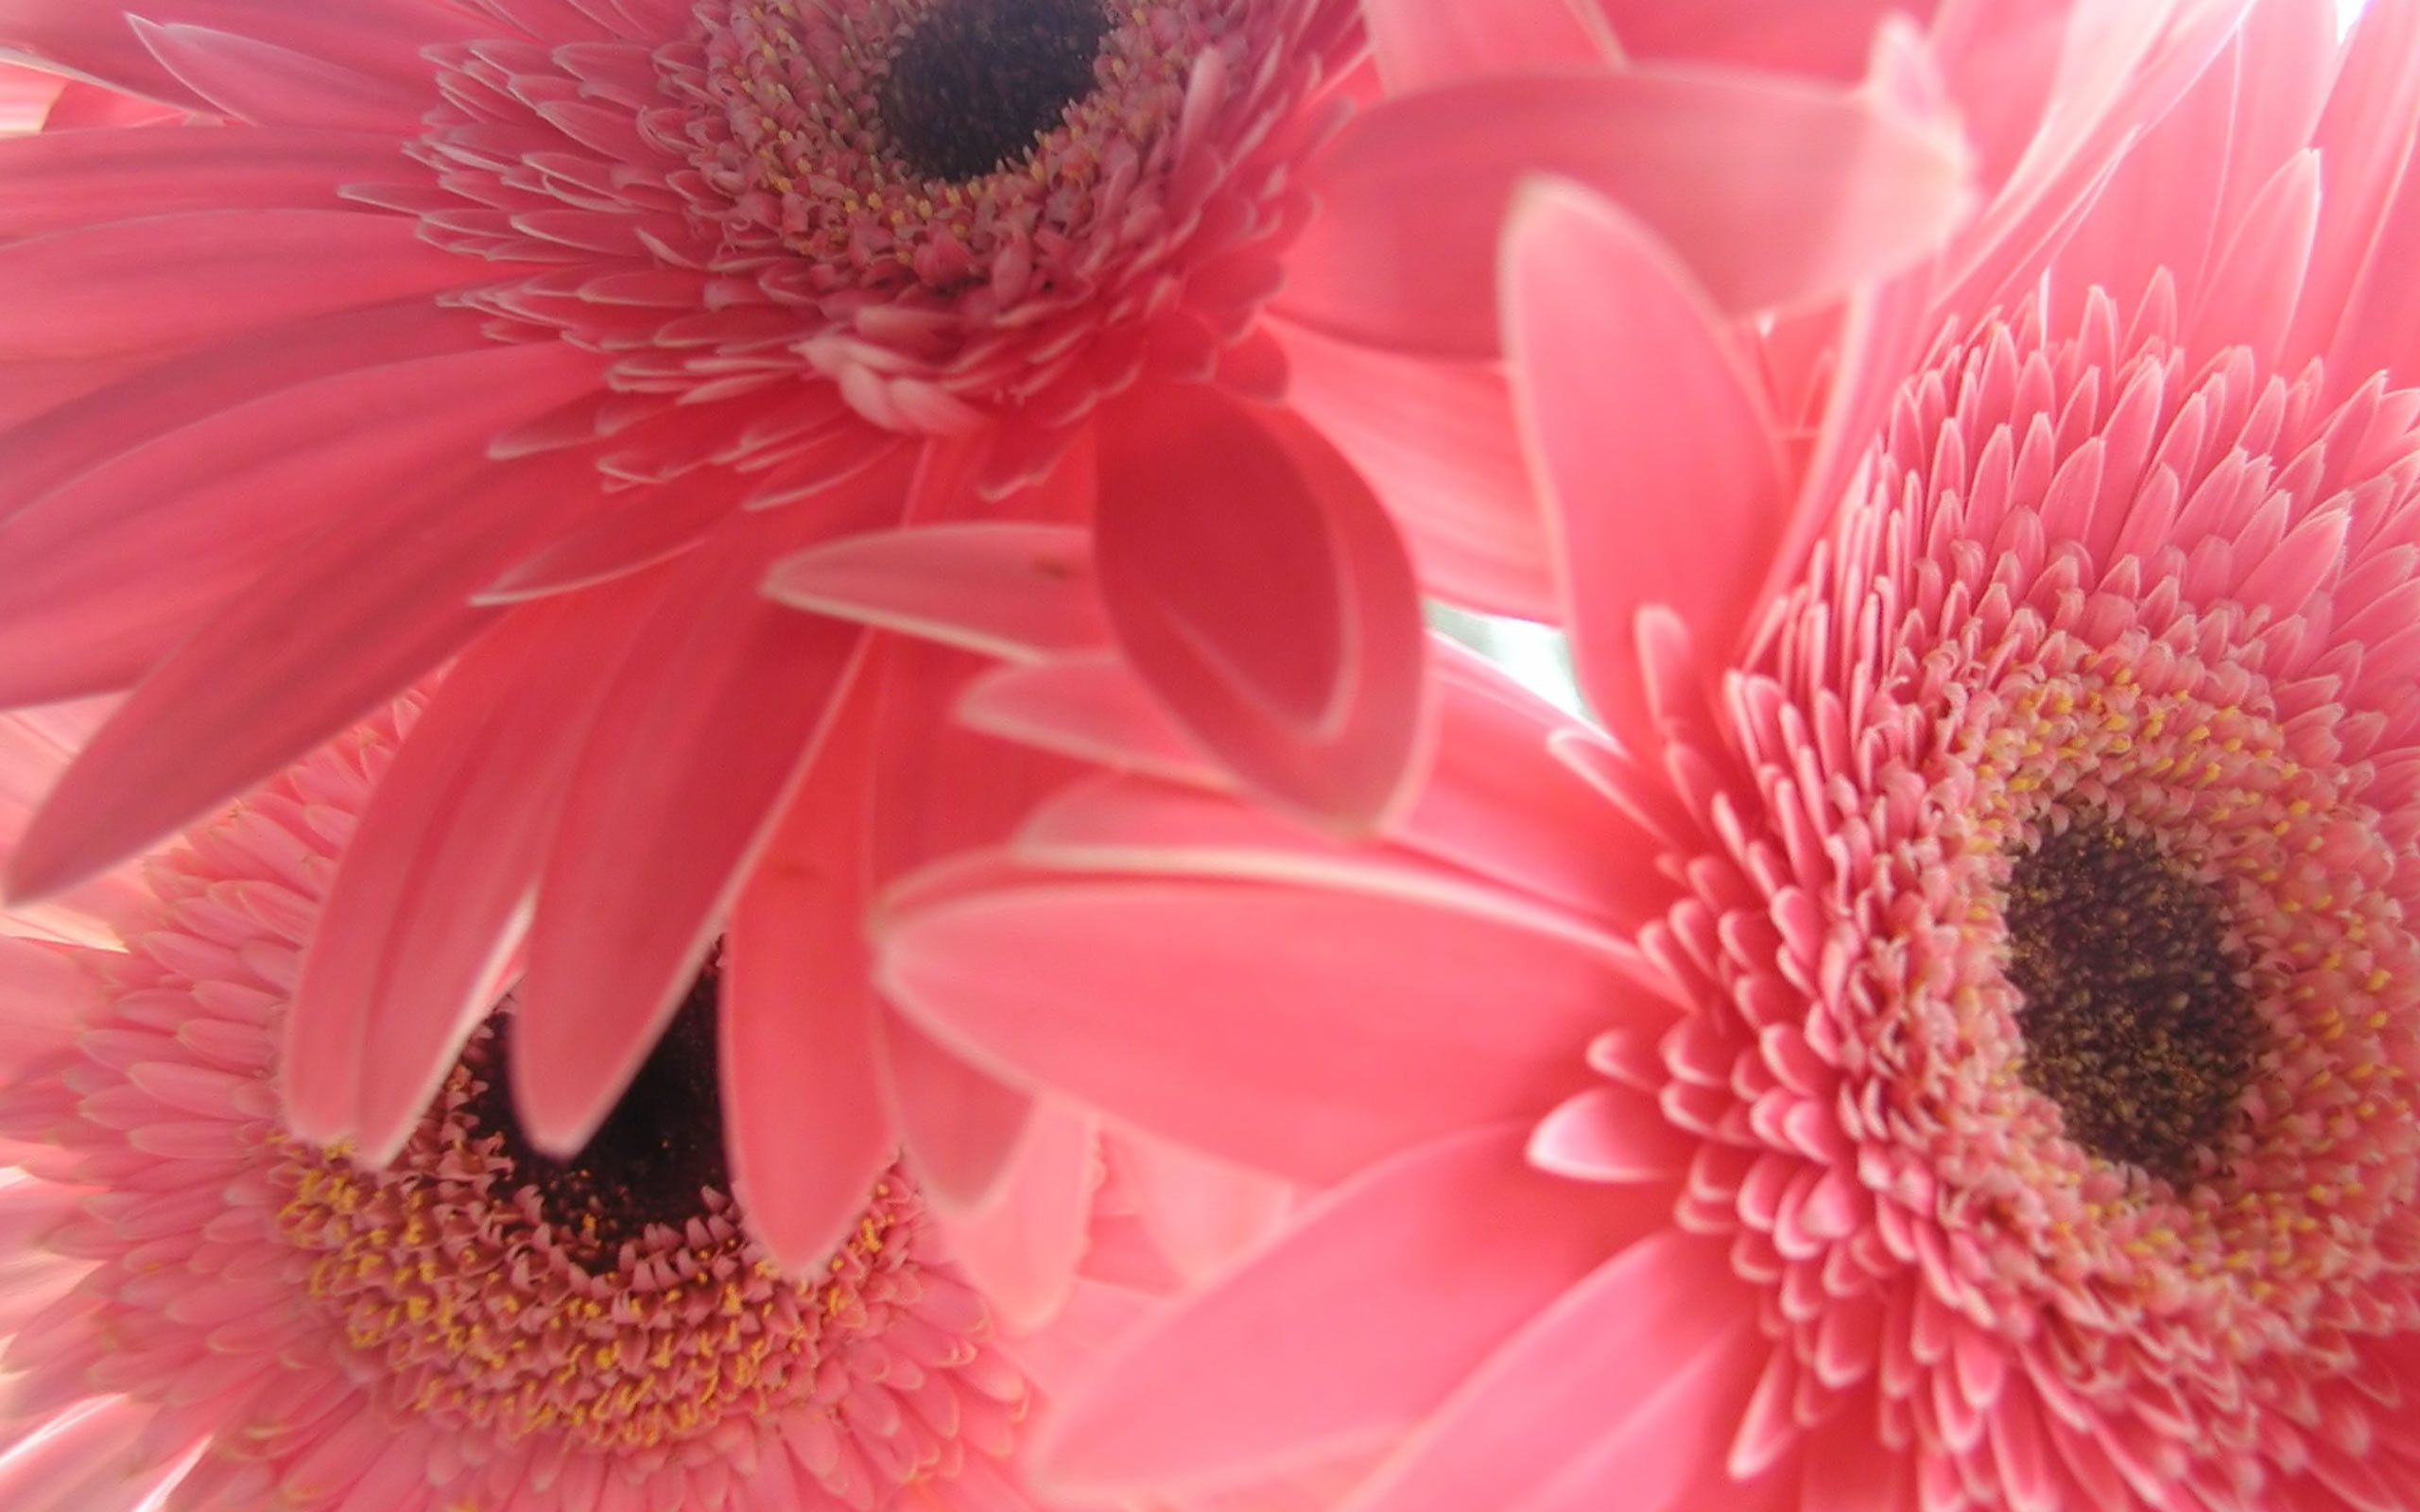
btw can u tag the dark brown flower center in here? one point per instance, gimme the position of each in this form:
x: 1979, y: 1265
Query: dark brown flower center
x: 656, y: 1155
x: 2137, y: 1018
x: 977, y: 82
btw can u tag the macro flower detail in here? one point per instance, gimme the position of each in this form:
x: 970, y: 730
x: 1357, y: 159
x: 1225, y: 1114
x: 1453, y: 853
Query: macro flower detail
x: 1952, y: 1046
x: 478, y: 1325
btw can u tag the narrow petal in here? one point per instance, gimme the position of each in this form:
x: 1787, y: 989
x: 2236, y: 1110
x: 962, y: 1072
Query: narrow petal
x: 1652, y: 439
x: 1633, y: 1379
x: 172, y: 281
x: 385, y: 596
x: 1260, y: 590
x: 1774, y: 194
x: 803, y: 1116
x: 114, y: 568
x: 1201, y: 1211
x: 1437, y: 443
x: 433, y: 894
x: 1825, y: 37
x: 64, y: 179
x: 1093, y: 709
x: 1420, y: 44
x: 2363, y: 140
x: 1611, y: 1133
x: 94, y: 429
x: 1302, y: 1030
x: 1021, y: 1248
x: 2249, y: 300
x: 960, y: 1124
x: 1019, y: 591
x: 268, y: 85
x: 705, y: 733
x: 1380, y: 1296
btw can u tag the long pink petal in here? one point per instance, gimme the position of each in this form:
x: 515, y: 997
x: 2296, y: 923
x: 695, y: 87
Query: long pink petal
x: 1653, y: 1356
x: 1379, y: 1298
x: 960, y: 1124
x: 1420, y: 44
x: 2248, y: 299
x: 1092, y: 708
x: 1015, y: 590
x: 117, y: 566
x: 1437, y: 440
x: 1663, y: 482
x: 383, y: 599
x: 178, y: 280
x: 1258, y: 587
x: 1200, y: 1211
x: 434, y: 889
x: 1299, y: 1029
x: 1825, y: 37
x: 803, y: 1114
x: 1774, y: 194
x: 78, y: 437
x: 704, y: 736
x: 1021, y: 1248
x: 65, y: 179
x: 1498, y: 801
x: 2363, y: 140
x: 268, y: 85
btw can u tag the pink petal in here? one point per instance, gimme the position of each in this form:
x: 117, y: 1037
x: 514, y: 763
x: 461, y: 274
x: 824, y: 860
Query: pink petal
x: 1299, y: 1029
x: 384, y: 596
x: 704, y: 735
x: 45, y: 994
x: 1653, y: 441
x: 1091, y: 708
x: 1626, y: 1387
x: 1828, y: 37
x: 434, y: 889
x: 1420, y: 44
x: 268, y: 85
x: 1436, y: 439
x: 1500, y: 803
x: 2127, y: 66
x: 2364, y: 138
x: 1380, y: 1296
x: 960, y: 1124
x: 1614, y: 1134
x: 1260, y: 590
x: 148, y: 404
x: 803, y: 1111
x: 88, y: 1457
x: 1774, y: 194
x: 114, y: 568
x: 1012, y: 590
x: 2249, y: 298
x: 178, y: 280
x: 633, y: 529
x: 1022, y: 1245
x: 66, y: 178
x: 1201, y: 1211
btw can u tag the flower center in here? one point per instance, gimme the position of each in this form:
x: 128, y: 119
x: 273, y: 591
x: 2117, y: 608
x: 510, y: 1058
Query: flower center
x: 977, y: 82
x: 2138, y: 1020
x: 655, y: 1158
x: 614, y: 1299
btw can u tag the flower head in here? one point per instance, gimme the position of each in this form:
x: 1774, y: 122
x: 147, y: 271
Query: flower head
x: 1954, y: 1047
x: 476, y: 1325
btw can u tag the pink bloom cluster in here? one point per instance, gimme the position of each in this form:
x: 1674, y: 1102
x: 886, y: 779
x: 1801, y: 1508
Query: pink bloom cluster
x: 727, y: 791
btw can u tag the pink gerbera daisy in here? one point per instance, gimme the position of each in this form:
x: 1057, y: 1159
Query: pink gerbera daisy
x: 200, y: 1311
x: 647, y: 294
x: 1957, y: 1049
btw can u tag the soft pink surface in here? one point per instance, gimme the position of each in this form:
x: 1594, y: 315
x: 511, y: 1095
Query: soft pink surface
x: 198, y: 1307
x: 2039, y: 549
